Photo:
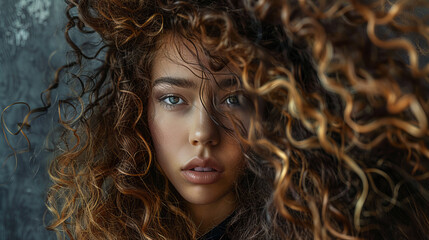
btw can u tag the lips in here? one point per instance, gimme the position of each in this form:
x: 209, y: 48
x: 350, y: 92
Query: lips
x: 202, y: 171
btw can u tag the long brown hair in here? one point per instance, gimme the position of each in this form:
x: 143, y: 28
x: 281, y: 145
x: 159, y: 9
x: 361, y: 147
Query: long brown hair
x: 338, y: 147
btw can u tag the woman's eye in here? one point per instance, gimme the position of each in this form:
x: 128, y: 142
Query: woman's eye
x: 232, y: 100
x: 237, y: 102
x: 172, y: 100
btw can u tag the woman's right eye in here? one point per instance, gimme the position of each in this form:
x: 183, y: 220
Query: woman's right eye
x: 171, y: 101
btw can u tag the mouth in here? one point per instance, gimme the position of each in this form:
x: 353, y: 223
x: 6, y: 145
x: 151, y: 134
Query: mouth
x: 203, y: 165
x: 202, y: 171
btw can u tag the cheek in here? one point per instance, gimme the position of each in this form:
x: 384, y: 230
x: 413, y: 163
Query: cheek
x: 161, y: 126
x: 239, y: 121
x: 165, y: 136
x: 233, y: 154
x: 167, y: 139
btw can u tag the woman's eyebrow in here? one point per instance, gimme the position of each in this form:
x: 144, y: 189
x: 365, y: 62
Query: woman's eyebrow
x: 228, y: 83
x: 179, y: 82
x: 185, y: 83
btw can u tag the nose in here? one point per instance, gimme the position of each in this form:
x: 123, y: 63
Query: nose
x: 203, y: 130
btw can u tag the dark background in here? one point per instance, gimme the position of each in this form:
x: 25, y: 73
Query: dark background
x: 32, y: 46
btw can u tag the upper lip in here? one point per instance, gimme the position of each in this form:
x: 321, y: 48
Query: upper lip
x: 203, y: 162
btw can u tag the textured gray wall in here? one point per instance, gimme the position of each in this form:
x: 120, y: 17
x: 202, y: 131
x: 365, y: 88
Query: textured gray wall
x: 31, y: 47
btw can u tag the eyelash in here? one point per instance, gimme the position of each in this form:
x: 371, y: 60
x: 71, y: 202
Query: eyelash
x: 169, y: 106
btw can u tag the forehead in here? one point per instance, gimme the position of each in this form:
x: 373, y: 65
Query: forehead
x: 181, y: 58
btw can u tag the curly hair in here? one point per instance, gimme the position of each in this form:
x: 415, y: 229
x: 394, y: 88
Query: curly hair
x: 338, y: 141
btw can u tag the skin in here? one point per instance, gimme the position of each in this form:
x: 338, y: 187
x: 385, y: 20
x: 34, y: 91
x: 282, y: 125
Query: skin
x: 182, y: 129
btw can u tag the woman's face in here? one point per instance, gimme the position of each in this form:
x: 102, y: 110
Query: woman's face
x: 198, y: 157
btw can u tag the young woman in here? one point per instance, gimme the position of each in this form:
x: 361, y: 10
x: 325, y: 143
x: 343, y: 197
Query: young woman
x: 243, y: 120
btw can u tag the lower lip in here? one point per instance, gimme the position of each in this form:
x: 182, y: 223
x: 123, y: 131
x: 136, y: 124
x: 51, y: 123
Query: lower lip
x: 201, y: 177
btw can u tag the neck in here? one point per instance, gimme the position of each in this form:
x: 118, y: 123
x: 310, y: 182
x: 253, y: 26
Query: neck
x: 207, y: 216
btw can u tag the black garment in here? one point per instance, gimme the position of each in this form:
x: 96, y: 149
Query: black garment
x: 217, y: 233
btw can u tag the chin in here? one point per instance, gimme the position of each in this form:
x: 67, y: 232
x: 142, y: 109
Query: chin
x: 201, y: 195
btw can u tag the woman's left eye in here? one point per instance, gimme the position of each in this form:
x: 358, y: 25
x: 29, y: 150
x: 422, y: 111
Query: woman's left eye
x: 232, y: 100
x: 237, y: 101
